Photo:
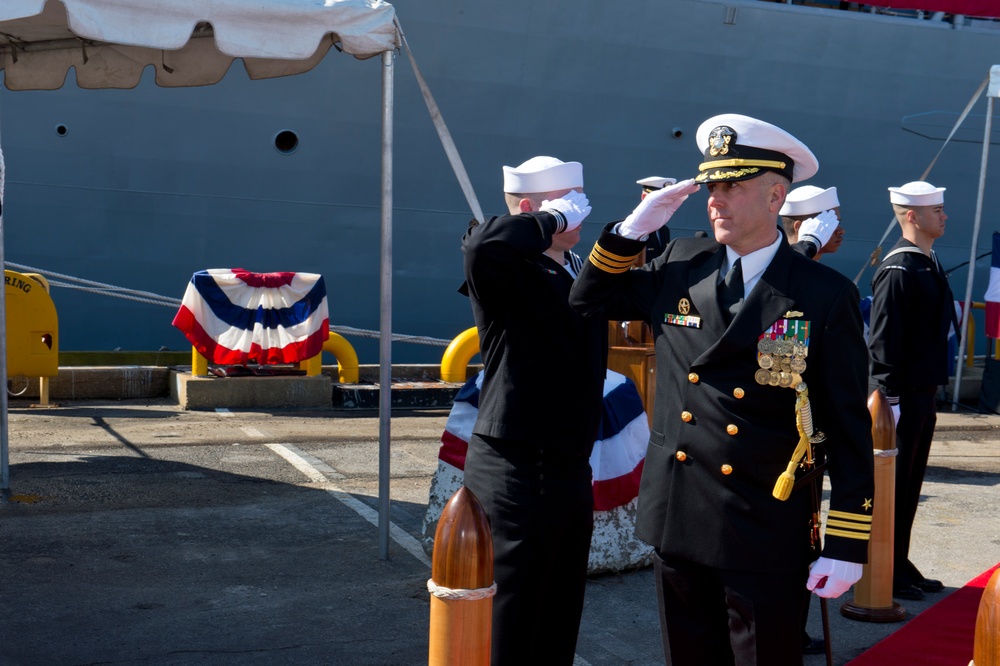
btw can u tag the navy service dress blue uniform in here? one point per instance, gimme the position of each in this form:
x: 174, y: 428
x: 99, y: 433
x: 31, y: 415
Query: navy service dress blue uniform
x: 720, y: 438
x: 912, y: 312
x: 539, y: 413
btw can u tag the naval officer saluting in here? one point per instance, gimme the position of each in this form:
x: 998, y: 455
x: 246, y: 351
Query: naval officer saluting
x: 735, y: 357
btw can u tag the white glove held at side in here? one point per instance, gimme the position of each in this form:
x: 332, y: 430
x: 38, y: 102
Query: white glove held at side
x: 831, y: 578
x: 895, y: 414
x: 819, y: 229
x: 656, y: 209
x: 573, y: 207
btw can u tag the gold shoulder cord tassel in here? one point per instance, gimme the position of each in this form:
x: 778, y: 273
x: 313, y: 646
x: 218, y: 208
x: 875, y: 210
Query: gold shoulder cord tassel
x: 803, y: 450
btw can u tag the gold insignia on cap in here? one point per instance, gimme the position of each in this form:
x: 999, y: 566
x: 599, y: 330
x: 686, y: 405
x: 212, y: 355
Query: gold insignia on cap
x: 684, y: 306
x: 719, y: 139
x: 792, y: 314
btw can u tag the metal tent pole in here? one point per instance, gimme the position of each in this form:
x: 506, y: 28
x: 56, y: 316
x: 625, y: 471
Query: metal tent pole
x: 385, y: 326
x: 993, y: 91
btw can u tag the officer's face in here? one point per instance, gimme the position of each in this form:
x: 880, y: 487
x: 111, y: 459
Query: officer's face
x: 743, y: 213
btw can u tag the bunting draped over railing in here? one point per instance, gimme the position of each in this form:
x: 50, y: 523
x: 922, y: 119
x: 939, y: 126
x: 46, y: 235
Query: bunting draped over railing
x: 618, y: 453
x: 233, y: 316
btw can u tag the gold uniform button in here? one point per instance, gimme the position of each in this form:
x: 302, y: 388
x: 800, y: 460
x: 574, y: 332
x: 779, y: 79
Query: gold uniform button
x: 732, y: 429
x: 727, y: 469
x: 681, y: 456
x: 693, y: 377
x: 738, y: 392
x: 686, y: 416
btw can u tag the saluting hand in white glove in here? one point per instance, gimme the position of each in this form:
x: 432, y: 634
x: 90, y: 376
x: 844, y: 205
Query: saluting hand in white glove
x: 571, y: 209
x: 819, y: 229
x: 656, y: 209
x: 831, y: 578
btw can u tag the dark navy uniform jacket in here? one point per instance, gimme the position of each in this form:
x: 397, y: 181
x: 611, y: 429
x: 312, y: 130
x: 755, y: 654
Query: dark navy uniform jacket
x: 719, y: 439
x: 912, y: 311
x: 544, y: 364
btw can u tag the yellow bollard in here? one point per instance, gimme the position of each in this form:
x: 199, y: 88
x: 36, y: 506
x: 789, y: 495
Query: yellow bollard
x: 455, y: 361
x: 461, y: 584
x: 986, y: 650
x: 873, y: 593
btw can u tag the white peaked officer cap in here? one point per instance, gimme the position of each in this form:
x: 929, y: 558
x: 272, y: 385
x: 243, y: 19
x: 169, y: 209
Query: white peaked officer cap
x: 809, y: 199
x: 542, y: 174
x: 740, y: 148
x: 917, y: 193
x: 654, y: 183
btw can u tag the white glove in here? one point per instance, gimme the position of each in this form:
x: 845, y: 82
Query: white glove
x: 831, y: 578
x: 572, y: 208
x: 656, y: 209
x: 819, y: 229
x: 895, y: 414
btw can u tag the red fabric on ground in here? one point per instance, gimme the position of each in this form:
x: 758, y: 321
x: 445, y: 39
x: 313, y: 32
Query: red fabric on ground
x: 942, y: 635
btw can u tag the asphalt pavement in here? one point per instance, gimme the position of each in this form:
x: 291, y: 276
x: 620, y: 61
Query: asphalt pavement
x: 134, y: 532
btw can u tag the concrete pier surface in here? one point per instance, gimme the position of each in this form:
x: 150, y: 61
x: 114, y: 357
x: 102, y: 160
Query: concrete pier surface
x: 137, y: 532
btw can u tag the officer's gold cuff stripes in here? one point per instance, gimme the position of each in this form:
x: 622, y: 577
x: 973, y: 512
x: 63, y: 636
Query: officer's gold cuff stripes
x: 849, y: 525
x: 610, y: 262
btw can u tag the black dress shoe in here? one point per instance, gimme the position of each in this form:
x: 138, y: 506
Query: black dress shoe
x: 929, y: 585
x: 909, y: 592
x: 813, y: 645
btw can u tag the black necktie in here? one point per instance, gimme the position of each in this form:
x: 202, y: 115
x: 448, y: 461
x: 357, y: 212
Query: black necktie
x: 731, y: 291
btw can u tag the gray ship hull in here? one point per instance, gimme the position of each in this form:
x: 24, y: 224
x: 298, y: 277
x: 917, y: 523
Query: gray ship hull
x: 141, y: 188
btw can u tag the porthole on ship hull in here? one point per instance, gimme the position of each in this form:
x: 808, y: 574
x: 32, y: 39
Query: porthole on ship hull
x: 286, y: 142
x: 61, y: 130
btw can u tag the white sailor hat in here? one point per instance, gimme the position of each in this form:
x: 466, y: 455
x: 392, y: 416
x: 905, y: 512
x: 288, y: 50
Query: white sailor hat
x: 542, y: 174
x: 654, y: 183
x: 917, y: 193
x: 808, y: 200
x: 739, y: 148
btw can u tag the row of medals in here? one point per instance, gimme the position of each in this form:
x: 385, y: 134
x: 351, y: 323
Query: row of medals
x: 781, y: 361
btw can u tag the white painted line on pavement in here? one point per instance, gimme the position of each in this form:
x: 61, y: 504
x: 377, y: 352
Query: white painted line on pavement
x: 298, y: 460
x: 253, y: 432
x: 223, y: 411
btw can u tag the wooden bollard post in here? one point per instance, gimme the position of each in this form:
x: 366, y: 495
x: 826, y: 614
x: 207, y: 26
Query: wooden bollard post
x: 986, y: 650
x: 461, y: 584
x: 873, y: 593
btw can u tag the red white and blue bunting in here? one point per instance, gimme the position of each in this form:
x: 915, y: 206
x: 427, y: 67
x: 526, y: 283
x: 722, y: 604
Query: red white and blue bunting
x: 233, y: 316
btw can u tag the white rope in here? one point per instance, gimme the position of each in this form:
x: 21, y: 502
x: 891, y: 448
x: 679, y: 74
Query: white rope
x: 442, y: 592
x: 885, y: 453
x: 157, y: 299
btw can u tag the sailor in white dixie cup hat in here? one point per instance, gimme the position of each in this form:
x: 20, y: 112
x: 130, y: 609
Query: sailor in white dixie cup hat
x: 528, y: 454
x: 810, y: 217
x: 728, y: 313
x: 911, y: 315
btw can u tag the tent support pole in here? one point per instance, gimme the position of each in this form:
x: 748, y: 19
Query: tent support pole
x: 385, y: 327
x: 4, y: 457
x: 967, y: 303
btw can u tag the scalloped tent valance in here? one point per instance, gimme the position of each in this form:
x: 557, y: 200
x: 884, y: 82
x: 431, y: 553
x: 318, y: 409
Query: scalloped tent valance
x: 108, y: 43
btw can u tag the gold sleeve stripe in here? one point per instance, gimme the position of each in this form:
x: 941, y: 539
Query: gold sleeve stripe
x: 849, y: 525
x: 847, y: 535
x: 857, y: 517
x: 610, y: 262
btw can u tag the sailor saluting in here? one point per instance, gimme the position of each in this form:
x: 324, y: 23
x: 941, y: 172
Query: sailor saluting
x: 743, y: 326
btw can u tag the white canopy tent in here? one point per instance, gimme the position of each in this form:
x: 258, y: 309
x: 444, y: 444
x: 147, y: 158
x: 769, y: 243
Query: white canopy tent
x: 109, y: 43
